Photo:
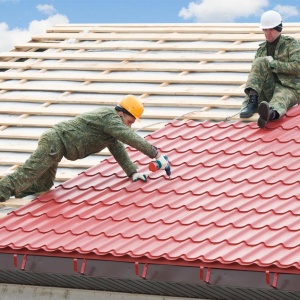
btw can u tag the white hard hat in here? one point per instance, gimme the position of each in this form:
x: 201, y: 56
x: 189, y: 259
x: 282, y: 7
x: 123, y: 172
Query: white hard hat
x: 270, y: 19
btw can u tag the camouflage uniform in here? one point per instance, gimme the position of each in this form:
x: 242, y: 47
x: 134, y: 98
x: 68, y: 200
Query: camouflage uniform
x: 88, y: 133
x: 277, y: 82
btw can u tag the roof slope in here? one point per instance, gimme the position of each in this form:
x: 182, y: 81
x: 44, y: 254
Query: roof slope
x: 232, y: 202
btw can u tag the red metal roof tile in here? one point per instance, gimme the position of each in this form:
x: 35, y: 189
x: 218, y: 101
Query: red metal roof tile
x: 233, y: 198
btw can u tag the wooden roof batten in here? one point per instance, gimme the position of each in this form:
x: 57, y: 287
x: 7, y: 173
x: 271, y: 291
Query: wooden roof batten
x: 195, y: 71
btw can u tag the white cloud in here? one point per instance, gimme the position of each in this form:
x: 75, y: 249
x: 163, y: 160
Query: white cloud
x: 286, y: 11
x: 11, y: 37
x: 46, y: 9
x: 216, y: 11
x: 38, y: 27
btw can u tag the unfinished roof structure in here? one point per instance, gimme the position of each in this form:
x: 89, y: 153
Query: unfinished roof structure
x: 225, y: 225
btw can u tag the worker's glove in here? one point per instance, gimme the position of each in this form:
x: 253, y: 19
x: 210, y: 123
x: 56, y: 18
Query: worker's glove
x: 139, y: 176
x: 162, y: 163
x: 270, y: 58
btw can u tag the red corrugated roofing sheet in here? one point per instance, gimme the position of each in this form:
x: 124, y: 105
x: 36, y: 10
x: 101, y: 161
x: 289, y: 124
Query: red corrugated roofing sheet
x: 233, y: 198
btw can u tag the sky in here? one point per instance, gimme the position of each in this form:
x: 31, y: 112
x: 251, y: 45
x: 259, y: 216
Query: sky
x: 22, y: 19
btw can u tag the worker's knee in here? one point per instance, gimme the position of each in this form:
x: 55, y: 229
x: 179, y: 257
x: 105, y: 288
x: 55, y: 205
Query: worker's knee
x: 51, y: 145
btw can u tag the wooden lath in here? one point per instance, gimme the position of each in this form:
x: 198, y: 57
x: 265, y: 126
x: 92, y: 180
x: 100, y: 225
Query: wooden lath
x: 173, y: 102
x: 74, y: 112
x: 120, y: 56
x: 152, y: 90
x: 102, y: 66
x: 173, y: 36
x: 165, y: 26
x: 111, y: 77
x: 183, y: 28
x: 133, y: 46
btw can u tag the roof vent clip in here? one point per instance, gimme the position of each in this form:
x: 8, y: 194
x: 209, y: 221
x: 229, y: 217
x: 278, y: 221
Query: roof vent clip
x: 145, y: 269
x: 208, y: 273
x: 75, y: 264
x: 23, y: 261
x: 275, y: 279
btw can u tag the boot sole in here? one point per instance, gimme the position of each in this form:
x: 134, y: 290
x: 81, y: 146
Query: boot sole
x: 264, y: 114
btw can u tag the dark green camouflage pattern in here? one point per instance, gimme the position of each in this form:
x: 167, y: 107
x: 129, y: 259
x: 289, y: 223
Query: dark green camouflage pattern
x: 38, y: 172
x: 286, y: 65
x: 93, y: 131
x: 88, y: 133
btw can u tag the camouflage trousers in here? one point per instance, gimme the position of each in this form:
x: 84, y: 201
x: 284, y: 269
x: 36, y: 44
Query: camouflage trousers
x: 39, y: 170
x: 261, y: 79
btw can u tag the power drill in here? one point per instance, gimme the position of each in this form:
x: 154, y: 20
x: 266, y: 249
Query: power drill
x: 153, y: 166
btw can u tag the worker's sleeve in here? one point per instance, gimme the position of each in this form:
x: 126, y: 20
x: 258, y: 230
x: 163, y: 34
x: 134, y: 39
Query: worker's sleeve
x: 117, y: 149
x: 292, y: 64
x: 117, y: 129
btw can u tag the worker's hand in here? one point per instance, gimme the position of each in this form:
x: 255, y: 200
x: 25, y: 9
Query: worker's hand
x: 139, y: 176
x: 161, y: 162
x: 270, y: 58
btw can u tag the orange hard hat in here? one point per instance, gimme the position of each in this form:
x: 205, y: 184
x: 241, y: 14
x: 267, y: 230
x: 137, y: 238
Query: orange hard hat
x: 132, y: 105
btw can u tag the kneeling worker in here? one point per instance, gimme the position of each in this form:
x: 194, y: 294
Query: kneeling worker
x: 86, y: 134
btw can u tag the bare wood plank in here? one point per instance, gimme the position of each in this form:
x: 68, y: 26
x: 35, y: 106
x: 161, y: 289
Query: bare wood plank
x: 30, y: 148
x: 49, y: 123
x: 152, y: 36
x: 230, y: 37
x: 148, y: 102
x: 207, y: 29
x: 26, y: 123
x: 15, y: 202
x: 167, y: 25
x: 134, y: 46
x: 111, y: 77
x: 166, y: 29
x: 218, y: 116
x: 14, y: 148
x: 4, y: 134
x: 166, y: 90
x: 101, y: 66
x: 60, y: 176
x: 72, y: 112
x: 192, y: 102
x: 153, y: 29
x: 78, y: 164
x: 58, y: 99
x: 96, y: 56
x: 201, y: 115
x: 2, y: 215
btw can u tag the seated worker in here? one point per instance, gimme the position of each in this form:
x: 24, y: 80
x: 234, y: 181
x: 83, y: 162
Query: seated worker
x: 273, y: 85
x: 88, y: 133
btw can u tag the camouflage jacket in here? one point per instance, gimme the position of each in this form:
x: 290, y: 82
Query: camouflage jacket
x: 286, y: 63
x: 93, y: 131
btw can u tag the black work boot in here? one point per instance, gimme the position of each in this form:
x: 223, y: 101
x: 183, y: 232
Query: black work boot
x: 251, y: 108
x: 264, y: 112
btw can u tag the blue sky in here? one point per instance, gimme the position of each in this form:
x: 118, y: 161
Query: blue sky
x: 21, y: 19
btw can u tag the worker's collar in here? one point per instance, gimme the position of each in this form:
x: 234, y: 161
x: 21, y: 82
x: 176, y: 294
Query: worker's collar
x: 274, y: 42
